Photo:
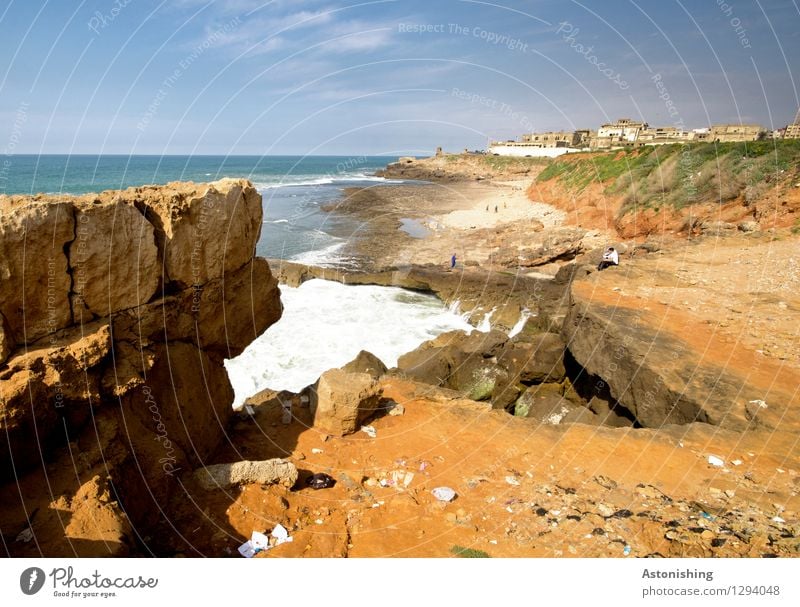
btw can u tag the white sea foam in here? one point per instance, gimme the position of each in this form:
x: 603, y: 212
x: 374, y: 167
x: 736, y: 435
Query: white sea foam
x: 325, y: 324
x: 309, y: 180
x: 523, y: 318
x: 327, y: 257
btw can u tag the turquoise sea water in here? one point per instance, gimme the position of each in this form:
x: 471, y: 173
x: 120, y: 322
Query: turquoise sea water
x: 293, y: 189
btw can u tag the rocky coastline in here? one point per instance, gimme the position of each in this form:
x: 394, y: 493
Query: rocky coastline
x: 615, y: 421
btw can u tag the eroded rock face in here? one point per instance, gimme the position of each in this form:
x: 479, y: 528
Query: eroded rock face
x: 139, y: 352
x: 650, y: 370
x: 34, y: 297
x: 204, y: 233
x: 113, y: 258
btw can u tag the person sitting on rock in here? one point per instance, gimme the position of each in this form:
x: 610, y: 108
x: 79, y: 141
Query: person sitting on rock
x: 610, y: 258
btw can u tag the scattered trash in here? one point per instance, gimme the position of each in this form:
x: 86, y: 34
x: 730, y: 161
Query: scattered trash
x: 369, y: 431
x: 317, y: 451
x: 759, y: 403
x: 320, y: 480
x: 281, y: 535
x: 778, y: 519
x: 493, y: 542
x: 737, y: 462
x: 512, y: 481
x: 423, y: 465
x: 626, y: 551
x: 259, y: 542
x: 26, y: 535
x: 247, y: 550
x: 715, y: 461
x: 398, y: 409
x: 706, y: 515
x: 319, y: 521
x: 444, y: 494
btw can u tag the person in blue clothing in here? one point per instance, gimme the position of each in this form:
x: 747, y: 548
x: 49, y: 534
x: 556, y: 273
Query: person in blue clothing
x: 453, y: 261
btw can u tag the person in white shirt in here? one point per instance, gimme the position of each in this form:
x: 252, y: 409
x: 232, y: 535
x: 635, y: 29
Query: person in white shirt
x: 610, y: 258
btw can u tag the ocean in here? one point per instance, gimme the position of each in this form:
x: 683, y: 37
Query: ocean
x: 325, y: 324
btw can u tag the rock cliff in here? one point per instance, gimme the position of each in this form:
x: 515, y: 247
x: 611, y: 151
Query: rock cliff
x: 117, y: 311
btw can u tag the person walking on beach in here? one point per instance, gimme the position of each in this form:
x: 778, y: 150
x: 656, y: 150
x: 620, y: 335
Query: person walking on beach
x: 495, y: 208
x: 610, y: 258
x: 453, y: 261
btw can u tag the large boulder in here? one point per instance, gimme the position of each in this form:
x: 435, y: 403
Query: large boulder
x: 477, y: 378
x: 34, y: 274
x: 366, y: 362
x: 545, y: 405
x: 341, y: 401
x: 113, y: 258
x: 203, y: 231
x: 431, y: 365
x: 266, y: 472
x: 538, y: 359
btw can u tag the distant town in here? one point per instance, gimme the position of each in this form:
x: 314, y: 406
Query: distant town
x: 631, y: 133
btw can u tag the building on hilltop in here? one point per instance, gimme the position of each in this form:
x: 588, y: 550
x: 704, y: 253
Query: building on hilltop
x: 620, y: 133
x: 662, y: 135
x: 550, y: 139
x: 793, y: 130
x: 735, y: 132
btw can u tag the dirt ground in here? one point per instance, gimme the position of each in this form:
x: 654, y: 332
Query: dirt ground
x: 522, y: 489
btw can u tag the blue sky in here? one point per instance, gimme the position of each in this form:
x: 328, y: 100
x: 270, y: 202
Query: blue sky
x: 379, y: 77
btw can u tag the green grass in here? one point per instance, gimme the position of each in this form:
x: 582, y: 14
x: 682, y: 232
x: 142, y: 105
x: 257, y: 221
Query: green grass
x: 678, y: 175
x: 469, y: 553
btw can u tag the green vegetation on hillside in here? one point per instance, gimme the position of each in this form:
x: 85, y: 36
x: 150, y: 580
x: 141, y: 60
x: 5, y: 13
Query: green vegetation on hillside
x: 680, y: 174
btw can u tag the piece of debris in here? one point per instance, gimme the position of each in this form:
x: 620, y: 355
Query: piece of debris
x: 512, y: 481
x: 444, y: 494
x: 716, y: 461
x: 26, y: 535
x: 259, y: 542
x: 320, y: 480
x: 369, y: 431
x: 397, y: 409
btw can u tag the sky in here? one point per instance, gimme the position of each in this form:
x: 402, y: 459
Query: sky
x: 380, y: 77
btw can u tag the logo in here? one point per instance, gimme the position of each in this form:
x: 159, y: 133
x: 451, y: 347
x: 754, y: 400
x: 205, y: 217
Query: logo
x: 31, y: 580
